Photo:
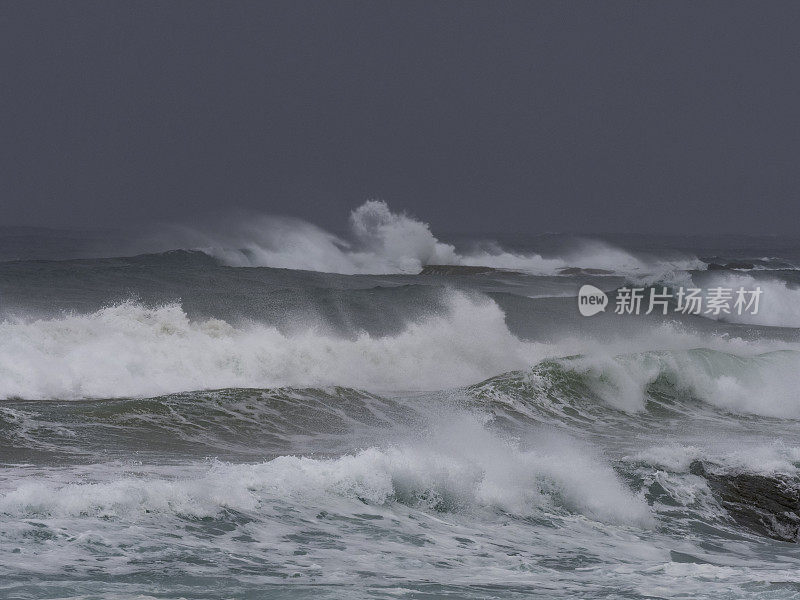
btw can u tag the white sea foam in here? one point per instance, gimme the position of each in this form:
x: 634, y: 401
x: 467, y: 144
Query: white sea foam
x: 133, y: 350
x: 765, y: 384
x: 459, y: 466
x: 779, y: 303
x: 382, y: 241
x: 767, y: 459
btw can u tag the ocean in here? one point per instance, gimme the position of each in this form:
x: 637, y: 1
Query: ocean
x: 272, y: 410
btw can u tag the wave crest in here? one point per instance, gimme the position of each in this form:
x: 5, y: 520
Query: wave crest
x: 459, y: 465
x: 382, y: 241
x: 765, y: 384
x: 133, y: 350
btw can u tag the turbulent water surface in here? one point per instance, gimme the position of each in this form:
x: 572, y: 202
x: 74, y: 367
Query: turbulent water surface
x: 281, y: 412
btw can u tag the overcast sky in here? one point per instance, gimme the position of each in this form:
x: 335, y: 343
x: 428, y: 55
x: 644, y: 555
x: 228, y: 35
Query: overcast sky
x: 473, y: 116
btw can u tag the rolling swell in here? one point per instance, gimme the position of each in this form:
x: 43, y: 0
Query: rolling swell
x: 763, y: 384
x: 233, y: 423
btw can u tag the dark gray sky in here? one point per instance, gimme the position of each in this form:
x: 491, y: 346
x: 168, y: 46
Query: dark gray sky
x: 474, y: 116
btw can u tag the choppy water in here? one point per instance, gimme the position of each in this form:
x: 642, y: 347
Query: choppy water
x: 200, y: 423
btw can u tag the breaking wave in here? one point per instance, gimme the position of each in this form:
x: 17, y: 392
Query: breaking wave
x: 133, y: 350
x: 779, y: 303
x: 382, y: 241
x: 765, y: 384
x: 460, y: 465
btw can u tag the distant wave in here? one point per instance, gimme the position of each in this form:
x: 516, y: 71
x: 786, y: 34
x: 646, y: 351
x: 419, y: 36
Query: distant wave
x: 381, y: 241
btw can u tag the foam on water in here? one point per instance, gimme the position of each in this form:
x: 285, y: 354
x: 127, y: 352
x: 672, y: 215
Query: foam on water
x: 767, y: 459
x: 764, y: 384
x: 382, y: 241
x: 779, y: 303
x: 132, y: 350
x: 460, y: 505
x: 570, y: 471
x: 129, y: 349
x: 459, y: 466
